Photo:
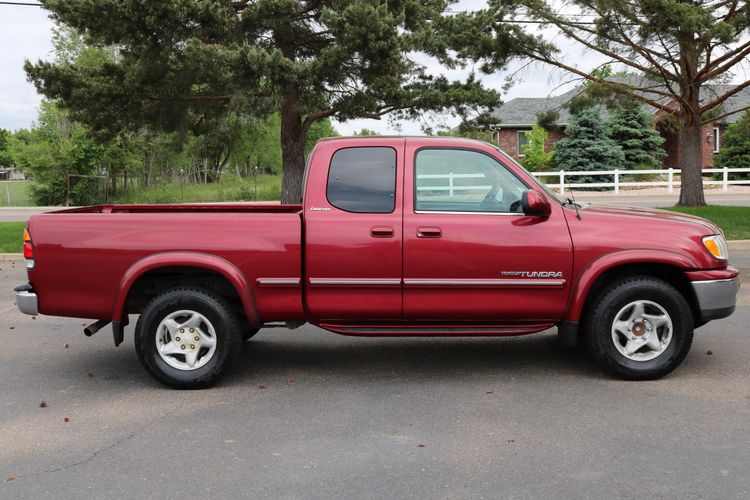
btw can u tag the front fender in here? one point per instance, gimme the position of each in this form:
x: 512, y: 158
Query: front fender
x: 187, y: 259
x: 608, y: 261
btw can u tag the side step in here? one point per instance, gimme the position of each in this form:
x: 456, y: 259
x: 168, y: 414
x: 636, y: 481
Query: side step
x: 432, y: 328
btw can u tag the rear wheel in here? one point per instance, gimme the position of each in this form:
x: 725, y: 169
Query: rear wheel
x: 640, y: 328
x: 187, y: 338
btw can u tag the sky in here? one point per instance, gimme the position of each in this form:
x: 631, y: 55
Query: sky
x: 26, y: 33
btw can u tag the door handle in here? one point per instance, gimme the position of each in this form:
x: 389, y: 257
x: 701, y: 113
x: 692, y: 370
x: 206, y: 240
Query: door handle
x: 381, y: 232
x: 429, y: 232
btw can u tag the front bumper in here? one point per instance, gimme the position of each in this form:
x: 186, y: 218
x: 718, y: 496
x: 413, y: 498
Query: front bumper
x: 716, y: 298
x: 28, y: 302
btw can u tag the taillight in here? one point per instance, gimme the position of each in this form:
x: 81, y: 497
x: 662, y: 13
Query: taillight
x: 28, y: 249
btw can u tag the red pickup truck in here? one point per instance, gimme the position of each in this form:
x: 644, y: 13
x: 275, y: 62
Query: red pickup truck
x: 396, y: 236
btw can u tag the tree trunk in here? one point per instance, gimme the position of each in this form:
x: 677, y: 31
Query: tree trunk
x: 691, y: 164
x: 292, y: 150
x: 150, y: 164
x: 690, y: 145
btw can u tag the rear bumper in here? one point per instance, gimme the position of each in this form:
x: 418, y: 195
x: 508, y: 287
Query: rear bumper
x: 28, y: 302
x: 716, y: 298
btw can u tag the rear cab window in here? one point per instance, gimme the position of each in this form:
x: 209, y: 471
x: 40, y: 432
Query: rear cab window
x: 363, y: 180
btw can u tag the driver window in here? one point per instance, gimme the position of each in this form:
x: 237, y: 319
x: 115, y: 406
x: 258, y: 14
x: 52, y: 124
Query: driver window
x: 457, y: 180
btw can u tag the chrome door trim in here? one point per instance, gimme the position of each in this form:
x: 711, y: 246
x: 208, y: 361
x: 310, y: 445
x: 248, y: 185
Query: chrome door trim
x: 448, y: 212
x: 500, y: 282
x: 355, y: 282
x: 278, y: 281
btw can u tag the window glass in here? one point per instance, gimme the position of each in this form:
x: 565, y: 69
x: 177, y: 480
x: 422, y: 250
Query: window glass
x: 363, y: 180
x: 455, y: 180
x: 522, y: 141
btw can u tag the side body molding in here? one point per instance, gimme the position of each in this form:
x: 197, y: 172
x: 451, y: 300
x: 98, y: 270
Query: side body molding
x: 588, y: 276
x: 187, y: 259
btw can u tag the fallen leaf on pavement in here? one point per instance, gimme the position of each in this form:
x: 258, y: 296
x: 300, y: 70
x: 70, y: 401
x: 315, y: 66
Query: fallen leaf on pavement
x: 261, y: 386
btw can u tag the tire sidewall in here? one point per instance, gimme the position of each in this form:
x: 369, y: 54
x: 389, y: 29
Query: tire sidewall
x: 202, y: 302
x: 652, y: 290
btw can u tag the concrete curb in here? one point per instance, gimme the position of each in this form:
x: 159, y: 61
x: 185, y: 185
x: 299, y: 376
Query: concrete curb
x: 738, y: 245
x: 733, y: 245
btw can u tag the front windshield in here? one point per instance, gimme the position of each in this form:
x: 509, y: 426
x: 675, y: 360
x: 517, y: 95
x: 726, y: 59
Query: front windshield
x: 541, y: 184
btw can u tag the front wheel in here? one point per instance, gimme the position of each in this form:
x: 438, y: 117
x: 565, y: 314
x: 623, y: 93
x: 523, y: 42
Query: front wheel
x: 187, y: 338
x: 640, y: 328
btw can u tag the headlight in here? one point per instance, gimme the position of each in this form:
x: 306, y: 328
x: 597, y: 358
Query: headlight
x: 717, y: 246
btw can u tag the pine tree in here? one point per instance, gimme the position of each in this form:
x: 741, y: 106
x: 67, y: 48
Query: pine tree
x: 630, y: 128
x: 179, y: 63
x: 587, y: 147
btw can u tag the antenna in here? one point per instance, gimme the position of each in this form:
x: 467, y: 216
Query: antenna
x: 573, y: 200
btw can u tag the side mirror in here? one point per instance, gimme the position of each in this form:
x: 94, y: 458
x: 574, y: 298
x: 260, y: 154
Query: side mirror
x: 535, y: 203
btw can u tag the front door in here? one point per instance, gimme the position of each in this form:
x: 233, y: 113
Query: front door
x: 470, y: 254
x: 353, y: 232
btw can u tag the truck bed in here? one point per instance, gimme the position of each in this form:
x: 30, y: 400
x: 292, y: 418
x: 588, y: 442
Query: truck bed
x: 83, y: 254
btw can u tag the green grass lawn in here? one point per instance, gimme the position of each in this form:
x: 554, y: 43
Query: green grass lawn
x: 11, y: 237
x: 15, y: 194
x: 735, y: 221
x: 230, y: 188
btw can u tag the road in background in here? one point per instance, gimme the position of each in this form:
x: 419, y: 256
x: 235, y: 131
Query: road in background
x: 314, y: 415
x: 662, y: 200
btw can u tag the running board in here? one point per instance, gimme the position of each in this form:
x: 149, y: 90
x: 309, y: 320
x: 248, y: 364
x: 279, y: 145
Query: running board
x: 433, y: 328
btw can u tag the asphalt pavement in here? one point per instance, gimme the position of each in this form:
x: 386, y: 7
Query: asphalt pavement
x: 310, y: 414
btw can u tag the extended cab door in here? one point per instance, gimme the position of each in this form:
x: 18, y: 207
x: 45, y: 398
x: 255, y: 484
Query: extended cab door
x: 470, y: 254
x: 353, y: 230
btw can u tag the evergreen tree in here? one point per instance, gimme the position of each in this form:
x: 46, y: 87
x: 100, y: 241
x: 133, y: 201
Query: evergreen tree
x: 735, y: 151
x: 630, y: 128
x: 587, y: 147
x: 181, y: 63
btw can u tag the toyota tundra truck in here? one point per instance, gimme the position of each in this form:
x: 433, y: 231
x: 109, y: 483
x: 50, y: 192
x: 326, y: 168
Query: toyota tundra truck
x: 396, y: 236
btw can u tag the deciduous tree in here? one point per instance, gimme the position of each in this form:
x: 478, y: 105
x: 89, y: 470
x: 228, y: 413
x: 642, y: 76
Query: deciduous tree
x: 678, y: 46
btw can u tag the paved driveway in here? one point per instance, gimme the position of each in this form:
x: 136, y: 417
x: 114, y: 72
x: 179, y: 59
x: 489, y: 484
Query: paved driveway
x: 315, y: 415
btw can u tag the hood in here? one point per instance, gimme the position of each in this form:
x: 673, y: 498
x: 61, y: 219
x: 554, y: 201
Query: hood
x: 649, y: 213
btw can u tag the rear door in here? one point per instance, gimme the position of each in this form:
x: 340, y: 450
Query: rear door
x: 470, y: 254
x: 353, y: 230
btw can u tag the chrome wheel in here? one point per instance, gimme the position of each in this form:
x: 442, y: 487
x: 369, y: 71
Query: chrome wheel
x: 186, y: 340
x: 642, y: 330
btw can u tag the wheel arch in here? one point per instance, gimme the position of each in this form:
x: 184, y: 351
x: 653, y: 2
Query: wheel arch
x: 669, y: 266
x: 186, y: 262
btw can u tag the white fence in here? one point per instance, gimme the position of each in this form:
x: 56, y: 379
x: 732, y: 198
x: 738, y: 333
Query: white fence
x: 668, y: 178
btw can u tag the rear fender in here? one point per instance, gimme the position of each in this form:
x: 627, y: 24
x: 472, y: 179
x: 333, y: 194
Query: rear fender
x: 609, y: 261
x: 187, y: 259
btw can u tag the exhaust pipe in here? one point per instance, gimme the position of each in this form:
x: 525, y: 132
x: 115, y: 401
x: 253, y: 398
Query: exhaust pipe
x: 95, y: 327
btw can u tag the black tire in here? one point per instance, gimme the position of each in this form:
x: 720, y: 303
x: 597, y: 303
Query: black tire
x: 228, y: 337
x: 598, y: 334
x: 249, y: 333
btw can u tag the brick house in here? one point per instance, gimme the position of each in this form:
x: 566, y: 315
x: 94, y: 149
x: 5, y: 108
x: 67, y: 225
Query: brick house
x: 517, y: 115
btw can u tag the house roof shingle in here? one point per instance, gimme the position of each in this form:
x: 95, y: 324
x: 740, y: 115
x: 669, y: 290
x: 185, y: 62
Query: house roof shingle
x: 523, y: 111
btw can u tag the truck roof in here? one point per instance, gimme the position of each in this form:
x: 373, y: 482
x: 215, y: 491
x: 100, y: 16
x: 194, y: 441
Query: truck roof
x: 441, y: 139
